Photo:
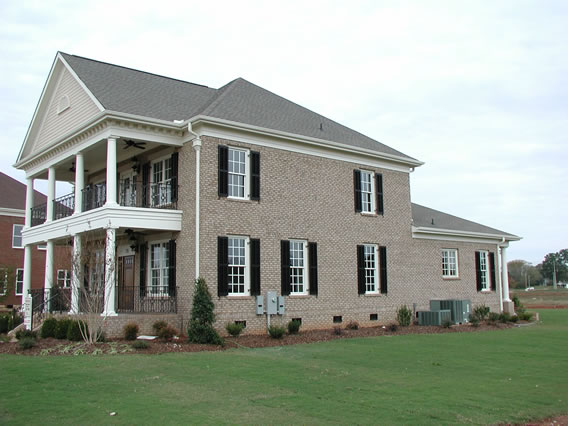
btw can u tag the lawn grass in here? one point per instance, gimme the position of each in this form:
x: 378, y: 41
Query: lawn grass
x: 489, y: 377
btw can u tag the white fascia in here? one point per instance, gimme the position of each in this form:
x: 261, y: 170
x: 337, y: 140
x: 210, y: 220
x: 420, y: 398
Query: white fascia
x: 102, y: 218
x: 12, y: 212
x: 426, y: 233
x: 240, y: 132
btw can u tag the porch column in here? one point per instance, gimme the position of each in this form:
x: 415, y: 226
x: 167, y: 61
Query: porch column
x: 79, y: 182
x: 27, y: 272
x: 508, y: 305
x: 110, y: 273
x: 76, y: 273
x: 111, y: 172
x: 48, y: 280
x: 29, y: 201
x: 50, y: 193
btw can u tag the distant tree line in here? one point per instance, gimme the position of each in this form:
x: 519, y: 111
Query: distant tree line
x: 523, y: 274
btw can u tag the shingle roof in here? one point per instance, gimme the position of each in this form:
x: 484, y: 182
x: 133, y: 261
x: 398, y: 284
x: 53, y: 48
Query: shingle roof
x: 14, y: 194
x: 130, y: 91
x: 430, y: 218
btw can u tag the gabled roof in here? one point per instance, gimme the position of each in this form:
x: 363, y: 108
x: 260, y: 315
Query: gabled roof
x: 140, y: 93
x: 14, y: 194
x: 425, y: 217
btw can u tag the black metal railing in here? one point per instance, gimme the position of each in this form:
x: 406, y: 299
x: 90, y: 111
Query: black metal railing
x: 94, y: 196
x: 50, y: 301
x: 154, y: 195
x: 134, y: 299
x: 63, y: 206
x: 39, y: 214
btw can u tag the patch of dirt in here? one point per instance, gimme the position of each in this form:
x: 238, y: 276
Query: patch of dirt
x: 551, y: 421
x: 50, y: 346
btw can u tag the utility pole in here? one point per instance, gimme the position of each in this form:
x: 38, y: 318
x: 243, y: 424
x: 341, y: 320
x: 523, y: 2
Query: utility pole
x: 554, y: 273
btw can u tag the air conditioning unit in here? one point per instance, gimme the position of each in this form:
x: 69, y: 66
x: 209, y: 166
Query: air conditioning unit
x: 434, y: 317
x: 460, y: 309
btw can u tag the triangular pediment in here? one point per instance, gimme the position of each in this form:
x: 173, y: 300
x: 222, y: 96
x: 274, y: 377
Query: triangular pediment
x: 65, y: 104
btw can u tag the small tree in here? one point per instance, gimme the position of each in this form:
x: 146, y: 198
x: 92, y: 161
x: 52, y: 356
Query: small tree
x: 200, y: 329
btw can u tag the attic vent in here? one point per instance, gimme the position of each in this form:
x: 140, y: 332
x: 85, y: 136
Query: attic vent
x: 63, y: 104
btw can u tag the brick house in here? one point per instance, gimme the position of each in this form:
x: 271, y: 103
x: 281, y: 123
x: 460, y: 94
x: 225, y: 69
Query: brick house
x: 12, y: 214
x: 248, y: 190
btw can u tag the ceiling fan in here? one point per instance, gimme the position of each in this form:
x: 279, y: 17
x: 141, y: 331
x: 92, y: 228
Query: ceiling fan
x: 72, y: 168
x: 129, y: 143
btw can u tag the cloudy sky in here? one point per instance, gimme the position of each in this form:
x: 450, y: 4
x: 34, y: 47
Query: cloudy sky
x: 478, y: 90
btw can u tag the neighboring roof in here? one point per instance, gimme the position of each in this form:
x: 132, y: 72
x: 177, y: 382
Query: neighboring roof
x: 14, y: 194
x: 433, y: 219
x: 130, y: 91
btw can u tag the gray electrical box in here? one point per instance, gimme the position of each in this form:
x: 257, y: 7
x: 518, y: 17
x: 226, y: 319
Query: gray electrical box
x: 260, y: 305
x: 271, y: 303
x: 281, y: 307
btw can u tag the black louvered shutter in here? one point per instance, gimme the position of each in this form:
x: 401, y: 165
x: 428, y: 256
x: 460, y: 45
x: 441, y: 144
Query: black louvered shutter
x: 143, y: 250
x: 172, y: 268
x: 492, y: 285
x: 222, y: 266
x: 174, y: 182
x: 383, y: 269
x: 223, y: 159
x: 254, y: 267
x: 478, y: 271
x: 255, y: 175
x: 145, y: 185
x: 361, y: 287
x: 313, y: 267
x: 357, y: 186
x: 380, y: 199
x: 285, y: 267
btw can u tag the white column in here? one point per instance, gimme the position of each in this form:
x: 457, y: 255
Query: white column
x: 48, y: 280
x: 110, y: 272
x: 79, y: 182
x: 27, y: 271
x: 29, y: 201
x: 505, y: 275
x: 76, y: 273
x: 197, y: 148
x: 50, y: 193
x: 111, y: 172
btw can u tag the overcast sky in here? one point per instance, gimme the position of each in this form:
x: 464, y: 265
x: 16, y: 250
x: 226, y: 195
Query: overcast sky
x: 478, y: 90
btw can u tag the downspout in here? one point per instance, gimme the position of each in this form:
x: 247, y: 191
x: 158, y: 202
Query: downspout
x: 197, y: 147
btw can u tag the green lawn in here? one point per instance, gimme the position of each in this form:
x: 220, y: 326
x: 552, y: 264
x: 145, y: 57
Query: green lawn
x: 488, y: 377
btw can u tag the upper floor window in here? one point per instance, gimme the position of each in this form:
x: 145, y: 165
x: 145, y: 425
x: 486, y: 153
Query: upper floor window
x: 161, y: 182
x: 485, y: 270
x: 19, y: 281
x: 238, y: 266
x: 239, y: 173
x: 368, y: 193
x: 299, y: 267
x: 450, y: 263
x: 17, y: 241
x: 371, y: 269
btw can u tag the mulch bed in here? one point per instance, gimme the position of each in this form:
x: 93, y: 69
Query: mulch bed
x: 52, y: 346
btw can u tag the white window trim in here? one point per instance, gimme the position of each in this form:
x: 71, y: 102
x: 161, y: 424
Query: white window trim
x: 376, y: 268
x: 372, y: 207
x: 67, y: 277
x: 163, y: 160
x: 149, y: 286
x: 13, y: 235
x: 16, y: 282
x: 246, y: 190
x: 247, y: 266
x: 486, y: 272
x: 457, y: 274
x: 306, y: 278
x: 42, y: 246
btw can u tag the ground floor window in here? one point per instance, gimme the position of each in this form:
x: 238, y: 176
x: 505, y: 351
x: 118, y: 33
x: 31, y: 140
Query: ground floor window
x: 19, y: 281
x: 159, y: 269
x: 450, y: 263
x: 370, y: 260
x: 298, y: 262
x: 484, y: 280
x: 237, y: 280
x: 63, y: 278
x: 3, y: 281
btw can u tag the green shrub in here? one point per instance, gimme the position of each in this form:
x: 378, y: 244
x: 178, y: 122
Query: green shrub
x: 276, y: 331
x: 504, y: 317
x: 167, y: 333
x: 139, y: 344
x: 234, y: 328
x: 474, y: 321
x: 514, y: 318
x: 392, y: 327
x: 481, y: 312
x: 493, y: 317
x: 158, y: 325
x: 131, y: 331
x: 352, y: 325
x: 516, y: 301
x: 294, y: 327
x: 74, y: 331
x: 337, y: 330
x: 4, y: 323
x: 9, y: 321
x: 27, y: 343
x: 200, y: 328
x: 22, y: 334
x: 404, y: 316
x: 446, y: 323
x: 48, y: 328
x: 525, y: 316
x: 62, y: 327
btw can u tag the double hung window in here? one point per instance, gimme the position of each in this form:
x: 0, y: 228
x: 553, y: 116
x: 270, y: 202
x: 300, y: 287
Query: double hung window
x: 238, y: 264
x: 19, y: 281
x: 368, y: 188
x: 371, y: 268
x: 239, y: 173
x: 298, y: 262
x: 159, y: 269
x: 450, y: 263
x: 161, y: 182
x: 17, y: 236
x: 63, y: 278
